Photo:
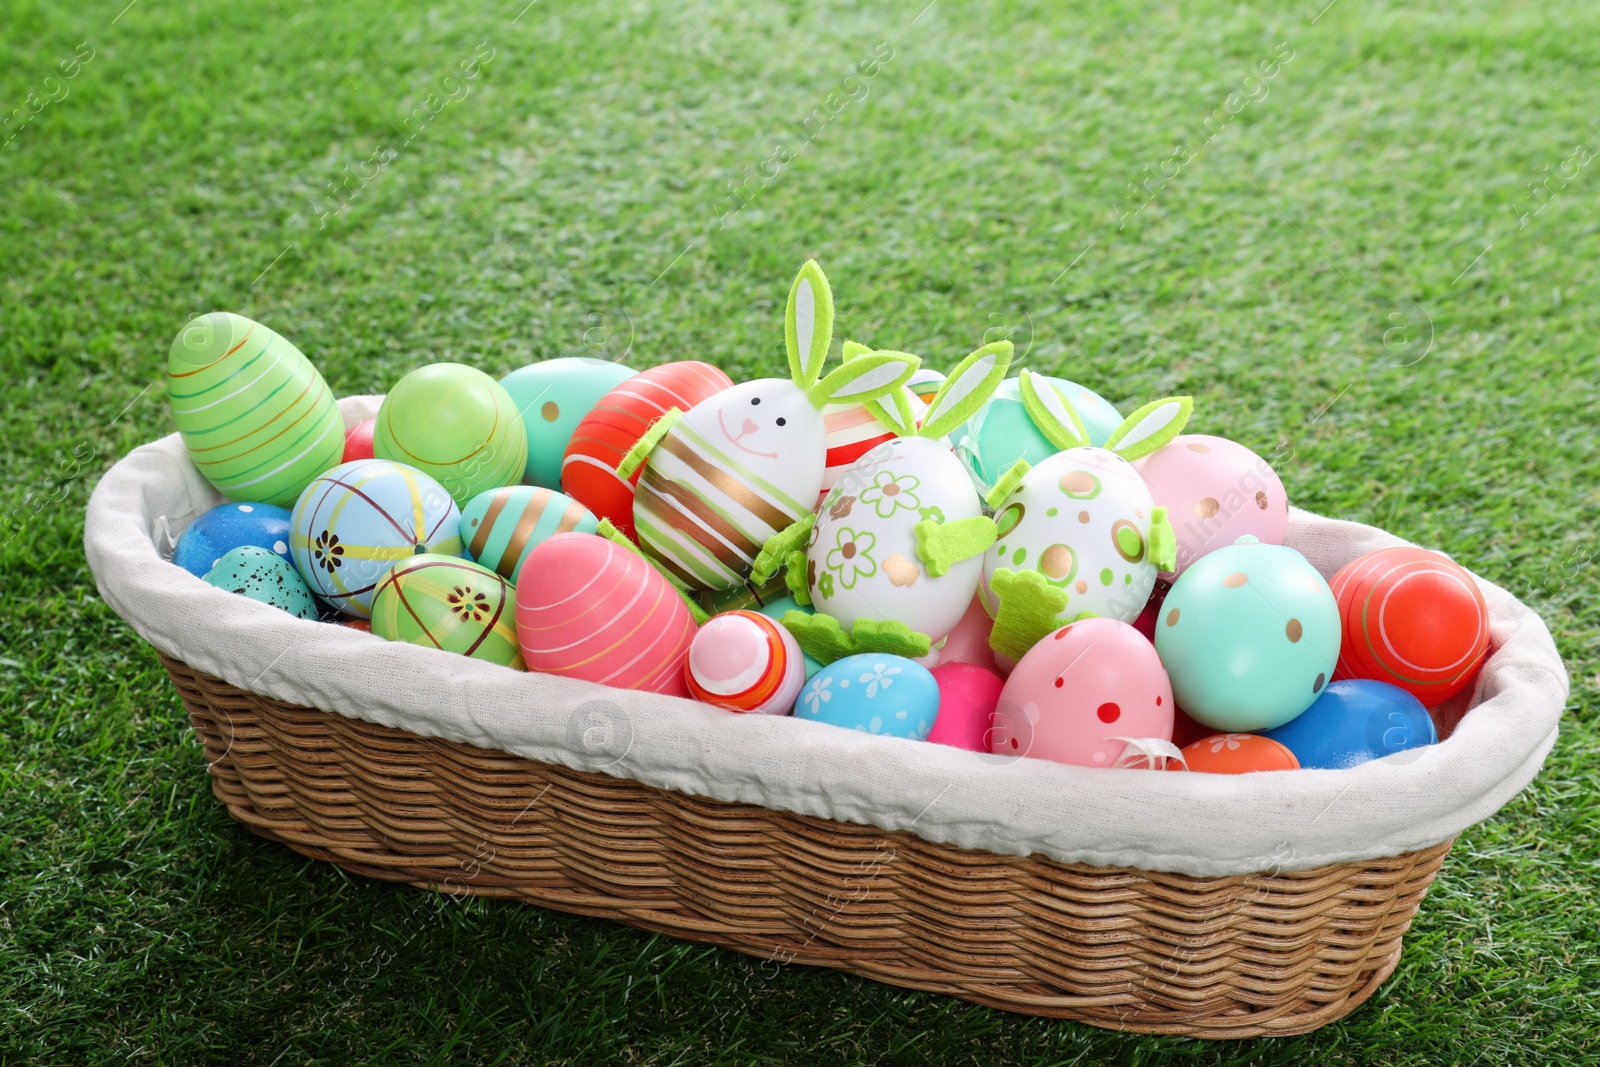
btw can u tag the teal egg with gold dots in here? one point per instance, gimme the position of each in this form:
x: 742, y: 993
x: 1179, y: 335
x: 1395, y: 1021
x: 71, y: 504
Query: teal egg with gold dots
x: 1001, y: 432
x: 553, y: 396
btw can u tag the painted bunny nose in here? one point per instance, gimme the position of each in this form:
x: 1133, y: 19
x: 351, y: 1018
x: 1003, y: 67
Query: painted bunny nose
x: 750, y: 426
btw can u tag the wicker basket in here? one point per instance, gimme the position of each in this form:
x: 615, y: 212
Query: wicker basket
x: 1226, y: 957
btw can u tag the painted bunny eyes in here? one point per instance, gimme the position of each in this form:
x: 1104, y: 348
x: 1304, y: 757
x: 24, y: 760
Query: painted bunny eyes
x: 754, y: 401
x: 781, y: 421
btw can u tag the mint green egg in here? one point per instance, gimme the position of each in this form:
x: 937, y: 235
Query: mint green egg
x: 263, y: 575
x: 553, y: 396
x: 500, y: 527
x: 1001, y: 432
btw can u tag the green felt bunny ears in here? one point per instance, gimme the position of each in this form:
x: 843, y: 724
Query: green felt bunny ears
x: 808, y: 331
x: 966, y: 390
x: 1140, y: 434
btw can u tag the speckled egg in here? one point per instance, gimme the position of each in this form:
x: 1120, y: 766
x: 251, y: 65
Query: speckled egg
x: 451, y: 604
x: 1002, y: 433
x: 263, y: 575
x: 258, y: 420
x: 1355, y: 721
x: 1079, y: 694
x: 1215, y: 492
x: 553, y: 396
x: 745, y: 662
x: 968, y: 696
x: 455, y: 424
x: 500, y: 527
x: 862, y: 561
x: 1082, y: 519
x: 873, y: 693
x: 226, y: 527
x: 359, y: 519
x: 1249, y: 635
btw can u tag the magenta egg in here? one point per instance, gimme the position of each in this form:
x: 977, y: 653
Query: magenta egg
x: 968, y: 695
x: 1078, y: 696
x: 1215, y: 492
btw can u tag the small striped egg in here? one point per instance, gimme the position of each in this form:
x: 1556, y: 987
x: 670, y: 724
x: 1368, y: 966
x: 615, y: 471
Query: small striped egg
x: 355, y: 522
x: 450, y: 604
x: 853, y: 432
x: 455, y: 424
x: 615, y: 424
x: 743, y: 661
x: 924, y: 383
x: 600, y: 612
x: 258, y: 420
x: 502, y: 526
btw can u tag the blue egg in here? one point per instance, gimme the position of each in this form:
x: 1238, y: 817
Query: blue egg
x: 226, y: 527
x: 263, y: 575
x: 775, y: 610
x: 875, y: 693
x: 1355, y: 721
x: 1002, y: 433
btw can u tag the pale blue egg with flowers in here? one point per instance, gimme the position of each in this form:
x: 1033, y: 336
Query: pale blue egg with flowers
x: 875, y: 693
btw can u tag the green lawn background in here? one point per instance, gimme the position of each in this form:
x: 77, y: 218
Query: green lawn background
x: 1376, y: 266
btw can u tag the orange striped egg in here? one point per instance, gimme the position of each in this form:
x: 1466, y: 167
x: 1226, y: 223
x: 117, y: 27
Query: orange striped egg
x: 615, y: 424
x: 743, y: 661
x: 588, y: 608
x: 853, y: 432
x: 924, y: 383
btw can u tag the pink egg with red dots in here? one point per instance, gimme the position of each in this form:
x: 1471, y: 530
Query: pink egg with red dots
x: 1215, y: 492
x: 1078, y: 696
x: 968, y: 695
x: 743, y: 661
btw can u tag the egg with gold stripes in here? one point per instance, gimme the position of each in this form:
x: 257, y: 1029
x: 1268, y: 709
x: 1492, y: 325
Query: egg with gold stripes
x: 356, y: 521
x: 455, y: 424
x: 600, y: 612
x: 500, y: 527
x: 615, y: 424
x: 743, y: 661
x: 258, y: 420
x: 450, y: 604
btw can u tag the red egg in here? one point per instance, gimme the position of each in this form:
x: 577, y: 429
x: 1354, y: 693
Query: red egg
x: 358, y: 441
x: 615, y: 424
x: 1236, y: 754
x: 591, y: 609
x: 1412, y: 618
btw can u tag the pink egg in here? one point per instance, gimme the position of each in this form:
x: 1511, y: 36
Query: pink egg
x: 743, y: 661
x: 969, y: 641
x: 1215, y: 492
x: 1072, y: 694
x: 587, y: 608
x: 968, y: 695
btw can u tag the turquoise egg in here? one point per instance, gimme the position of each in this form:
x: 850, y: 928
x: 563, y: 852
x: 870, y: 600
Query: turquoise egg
x: 875, y: 693
x: 261, y: 574
x: 500, y: 527
x: 776, y: 609
x: 1001, y: 432
x: 553, y: 396
x: 1249, y: 635
x: 226, y: 527
x: 1354, y: 721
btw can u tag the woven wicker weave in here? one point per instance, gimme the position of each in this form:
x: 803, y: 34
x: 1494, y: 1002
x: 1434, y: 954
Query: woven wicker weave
x: 1234, y: 957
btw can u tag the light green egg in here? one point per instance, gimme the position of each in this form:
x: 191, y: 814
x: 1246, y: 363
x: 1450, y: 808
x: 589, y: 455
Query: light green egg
x: 553, y: 396
x: 263, y: 575
x: 257, y: 418
x: 456, y: 424
x: 1001, y: 432
x: 447, y: 603
x: 502, y: 526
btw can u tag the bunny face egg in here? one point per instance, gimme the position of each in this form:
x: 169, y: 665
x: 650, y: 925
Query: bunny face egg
x: 874, y: 693
x: 743, y: 661
x: 263, y: 575
x: 553, y: 396
x: 227, y: 527
x: 1082, y: 519
x: 862, y: 559
x: 1215, y: 492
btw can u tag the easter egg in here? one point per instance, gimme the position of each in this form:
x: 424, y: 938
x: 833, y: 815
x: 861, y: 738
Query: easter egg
x: 358, y: 441
x: 1249, y: 635
x: 776, y: 609
x: 258, y: 420
x: 500, y: 527
x: 359, y: 519
x: 263, y: 575
x: 862, y: 559
x: 968, y: 640
x: 1078, y: 696
x: 448, y: 603
x: 227, y: 526
x: 553, y: 396
x: 1081, y: 518
x: 874, y: 693
x: 924, y: 383
x: 1412, y: 618
x: 743, y: 661
x: 1235, y: 754
x: 1354, y: 721
x: 364, y: 625
x: 968, y: 695
x: 456, y: 425
x: 1002, y: 432
x: 853, y: 432
x: 1215, y: 492
x: 615, y: 424
x: 600, y: 612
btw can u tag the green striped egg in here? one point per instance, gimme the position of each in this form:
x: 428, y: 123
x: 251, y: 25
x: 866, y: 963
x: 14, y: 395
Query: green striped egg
x: 257, y: 418
x: 502, y: 526
x: 442, y: 602
x: 457, y: 425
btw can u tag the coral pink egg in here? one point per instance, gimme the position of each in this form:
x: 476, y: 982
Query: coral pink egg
x: 1215, y: 492
x: 1236, y: 754
x: 968, y: 695
x: 743, y: 661
x: 358, y: 441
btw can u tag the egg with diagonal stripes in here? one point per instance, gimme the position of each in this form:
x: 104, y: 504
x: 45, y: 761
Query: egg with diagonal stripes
x: 450, y: 604
x: 258, y: 420
x: 502, y: 526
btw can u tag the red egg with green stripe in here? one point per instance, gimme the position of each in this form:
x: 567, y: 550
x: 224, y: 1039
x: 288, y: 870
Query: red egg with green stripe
x: 450, y: 604
x: 258, y: 420
x: 615, y: 424
x: 502, y: 526
x: 743, y: 661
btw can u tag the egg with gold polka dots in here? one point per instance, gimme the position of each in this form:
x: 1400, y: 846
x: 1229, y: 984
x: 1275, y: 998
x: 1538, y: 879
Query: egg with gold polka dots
x: 1249, y: 635
x: 1082, y: 518
x: 553, y: 396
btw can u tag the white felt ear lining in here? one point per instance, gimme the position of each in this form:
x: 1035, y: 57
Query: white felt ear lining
x: 874, y: 380
x: 960, y: 387
x: 805, y: 320
x: 1151, y: 424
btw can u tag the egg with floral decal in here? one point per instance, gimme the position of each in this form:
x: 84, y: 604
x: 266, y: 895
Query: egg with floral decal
x: 874, y: 693
x: 1081, y: 518
x: 451, y: 604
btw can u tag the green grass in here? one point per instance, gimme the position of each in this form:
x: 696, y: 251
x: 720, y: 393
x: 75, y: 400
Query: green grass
x: 1339, y: 276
